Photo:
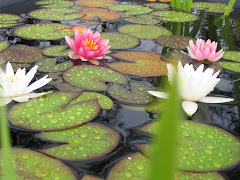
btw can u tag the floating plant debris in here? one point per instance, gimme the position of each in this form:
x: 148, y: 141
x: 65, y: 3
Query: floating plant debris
x: 96, y: 3
x: 49, y: 65
x: 210, y: 7
x: 3, y: 45
x: 143, y: 19
x: 59, y: 50
x: 174, y: 16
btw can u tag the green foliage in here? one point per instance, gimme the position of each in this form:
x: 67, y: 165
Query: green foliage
x: 210, y: 7
x: 56, y: 51
x: 3, y: 45
x: 232, y: 55
x: 142, y: 19
x: 174, y: 16
x: 50, y: 65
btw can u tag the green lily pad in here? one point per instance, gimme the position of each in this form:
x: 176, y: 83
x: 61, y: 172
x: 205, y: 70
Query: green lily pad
x: 201, y: 147
x: 33, y: 165
x: 232, y: 66
x: 9, y: 17
x: 54, y: 3
x: 103, y: 14
x: 43, y: 2
x: 49, y: 65
x: 67, y: 87
x: 43, y: 31
x: 91, y: 77
x: 22, y: 54
x: 96, y: 3
x: 210, y: 7
x: 157, y: 5
x: 130, y: 9
x: 120, y: 41
x: 59, y: 50
x: 136, y: 95
x: 136, y: 166
x: 3, y: 45
x: 3, y: 24
x: 232, y: 55
x: 174, y: 16
x: 155, y: 106
x: 55, y: 14
x: 144, y: 31
x: 86, y: 177
x: 56, y: 81
x: 86, y: 142
x: 143, y: 19
x: 53, y: 112
x: 140, y: 63
x: 174, y: 41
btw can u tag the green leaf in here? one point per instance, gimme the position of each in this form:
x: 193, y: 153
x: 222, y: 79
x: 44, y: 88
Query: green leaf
x: 232, y: 55
x: 210, y: 7
x: 157, y: 6
x: 59, y: 50
x: 96, y: 3
x: 142, y: 19
x: 3, y: 45
x: 9, y: 17
x: 50, y: 65
x: 174, y: 16
x: 232, y: 66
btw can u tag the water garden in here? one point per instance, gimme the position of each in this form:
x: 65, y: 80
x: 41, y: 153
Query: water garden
x: 117, y: 90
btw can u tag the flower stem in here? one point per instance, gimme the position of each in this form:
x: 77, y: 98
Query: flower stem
x: 229, y: 7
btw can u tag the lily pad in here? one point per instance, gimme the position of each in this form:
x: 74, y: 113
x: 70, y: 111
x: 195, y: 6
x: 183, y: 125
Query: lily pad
x: 86, y: 142
x: 232, y: 66
x: 96, y: 3
x: 120, y: 41
x: 22, y: 54
x: 140, y: 63
x: 201, y: 147
x: 91, y: 77
x: 33, y: 165
x: 174, y: 41
x: 43, y: 31
x: 54, y: 3
x: 55, y: 14
x: 143, y: 19
x: 174, y: 16
x: 103, y: 14
x: 130, y: 9
x: 232, y: 55
x: 67, y: 87
x: 86, y: 177
x: 49, y: 65
x: 144, y: 31
x: 53, y: 112
x: 56, y: 51
x: 157, y: 5
x: 7, y: 25
x: 3, y: 45
x: 136, y: 95
x: 43, y: 2
x: 210, y: 7
x: 9, y: 17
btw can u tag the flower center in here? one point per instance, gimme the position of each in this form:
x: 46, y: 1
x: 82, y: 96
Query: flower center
x: 91, y: 44
x: 11, y: 79
x: 205, y: 46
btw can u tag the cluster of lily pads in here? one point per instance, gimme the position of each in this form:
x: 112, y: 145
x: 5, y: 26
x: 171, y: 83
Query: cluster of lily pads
x: 83, y: 92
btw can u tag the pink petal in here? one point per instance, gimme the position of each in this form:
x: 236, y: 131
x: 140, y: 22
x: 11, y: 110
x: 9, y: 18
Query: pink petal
x: 96, y: 62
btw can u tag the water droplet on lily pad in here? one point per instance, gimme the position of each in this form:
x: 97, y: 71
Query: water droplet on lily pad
x: 41, y: 172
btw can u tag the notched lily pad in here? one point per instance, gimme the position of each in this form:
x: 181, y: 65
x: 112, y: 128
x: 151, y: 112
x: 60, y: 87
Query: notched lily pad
x: 201, y: 147
x: 33, y: 165
x: 120, y: 41
x: 157, y: 6
x: 130, y: 9
x: 59, y: 50
x: 91, y: 77
x: 174, y: 41
x: 3, y: 45
x: 232, y: 55
x: 86, y: 142
x: 53, y: 112
x: 96, y: 3
x: 143, y: 19
x: 140, y: 63
x: 50, y: 65
x: 103, y: 14
x: 232, y: 66
x: 174, y: 16
x: 210, y: 7
x: 144, y: 31
x: 136, y: 95
x: 43, y: 31
x: 22, y: 54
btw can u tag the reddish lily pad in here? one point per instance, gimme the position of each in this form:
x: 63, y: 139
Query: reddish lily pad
x: 96, y: 3
x: 174, y: 16
x: 120, y: 41
x: 91, y: 77
x: 210, y: 7
x: 103, y: 14
x: 43, y: 31
x: 145, y: 31
x: 49, y: 65
x: 174, y: 41
x: 232, y: 55
x: 143, y: 19
x: 22, y: 54
x: 56, y: 51
x: 232, y: 66
x: 55, y: 14
x: 53, y: 112
x: 201, y: 147
x: 86, y: 142
x: 3, y: 45
x: 54, y: 3
x: 33, y: 165
x: 157, y: 5
x: 136, y: 95
x: 146, y: 64
x: 86, y: 177
x: 130, y: 9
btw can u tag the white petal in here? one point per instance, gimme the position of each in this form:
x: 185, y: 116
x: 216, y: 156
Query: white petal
x: 159, y: 94
x: 171, y: 72
x: 189, y: 107
x: 215, y: 100
x: 23, y: 98
x: 37, y: 84
x: 5, y: 100
x: 9, y: 69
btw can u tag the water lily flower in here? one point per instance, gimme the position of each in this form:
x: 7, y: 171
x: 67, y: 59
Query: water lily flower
x: 15, y: 86
x: 204, y: 50
x: 88, y: 46
x: 193, y: 85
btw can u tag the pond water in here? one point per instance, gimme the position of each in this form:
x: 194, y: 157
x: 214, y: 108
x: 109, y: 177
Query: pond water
x: 122, y: 117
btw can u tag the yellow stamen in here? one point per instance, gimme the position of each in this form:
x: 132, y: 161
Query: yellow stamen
x: 205, y: 46
x: 91, y: 44
x: 11, y: 79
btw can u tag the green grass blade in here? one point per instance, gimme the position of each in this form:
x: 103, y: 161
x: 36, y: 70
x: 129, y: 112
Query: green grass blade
x: 172, y: 3
x: 229, y: 7
x: 184, y: 4
x: 189, y: 6
x: 178, y: 4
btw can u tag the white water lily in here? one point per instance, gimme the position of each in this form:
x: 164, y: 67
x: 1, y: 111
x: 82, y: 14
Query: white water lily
x: 15, y: 86
x: 193, y: 85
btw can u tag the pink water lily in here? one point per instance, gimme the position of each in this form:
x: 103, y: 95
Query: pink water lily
x: 204, y: 50
x: 88, y: 46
